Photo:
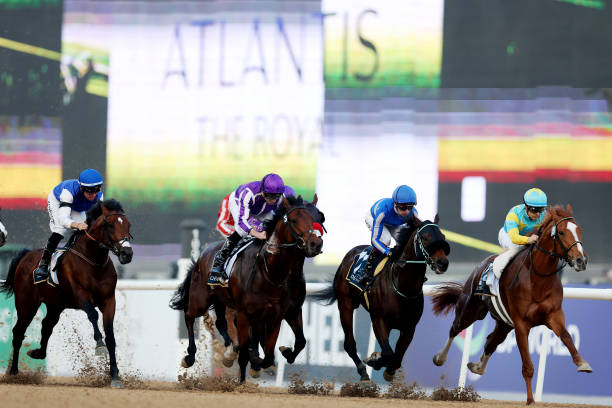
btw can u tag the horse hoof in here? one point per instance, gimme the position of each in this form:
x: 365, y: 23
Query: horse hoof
x: 37, y: 354
x: 365, y: 379
x: 388, y: 376
x: 101, y: 351
x: 255, y: 373
x: 188, y: 361
x: 271, y: 371
x: 228, y: 362
x: 116, y: 384
x: 438, y: 360
x: 285, y: 351
x: 374, y: 361
x: 584, y: 367
x: 475, y: 368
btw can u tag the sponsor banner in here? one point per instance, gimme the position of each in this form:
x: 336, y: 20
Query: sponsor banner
x: 202, y: 102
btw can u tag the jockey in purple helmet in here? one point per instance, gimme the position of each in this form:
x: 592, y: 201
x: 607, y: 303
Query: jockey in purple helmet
x: 386, y: 218
x: 250, y: 205
x: 67, y: 204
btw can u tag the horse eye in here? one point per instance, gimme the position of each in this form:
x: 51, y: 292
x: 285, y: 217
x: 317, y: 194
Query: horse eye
x: 560, y: 232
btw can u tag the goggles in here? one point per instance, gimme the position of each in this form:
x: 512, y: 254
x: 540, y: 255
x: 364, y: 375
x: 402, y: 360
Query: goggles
x: 272, y: 196
x: 91, y: 190
x: 404, y: 207
x: 535, y: 210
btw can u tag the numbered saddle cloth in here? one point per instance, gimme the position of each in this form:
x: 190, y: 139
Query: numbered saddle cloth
x: 357, y: 271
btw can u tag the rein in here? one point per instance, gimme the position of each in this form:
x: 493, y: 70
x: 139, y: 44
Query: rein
x: 112, y: 246
x: 553, y: 253
x: 89, y: 261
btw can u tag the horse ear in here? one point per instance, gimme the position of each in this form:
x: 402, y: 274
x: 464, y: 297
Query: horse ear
x: 569, y: 209
x: 286, y: 203
x: 103, y: 208
x: 315, y: 199
x: 414, y: 222
x: 436, y: 218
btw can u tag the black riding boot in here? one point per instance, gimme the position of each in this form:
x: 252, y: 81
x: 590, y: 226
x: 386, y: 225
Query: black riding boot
x: 42, y: 272
x: 369, y: 273
x: 217, y: 272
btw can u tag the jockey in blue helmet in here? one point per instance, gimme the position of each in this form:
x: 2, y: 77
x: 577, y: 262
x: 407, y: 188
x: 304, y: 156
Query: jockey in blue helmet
x: 67, y: 204
x: 250, y: 205
x: 385, y: 219
x: 521, y: 223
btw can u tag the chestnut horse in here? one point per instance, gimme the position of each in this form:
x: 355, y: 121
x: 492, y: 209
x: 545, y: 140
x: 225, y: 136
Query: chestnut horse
x: 258, y: 285
x: 395, y: 296
x: 530, y: 291
x: 87, y: 279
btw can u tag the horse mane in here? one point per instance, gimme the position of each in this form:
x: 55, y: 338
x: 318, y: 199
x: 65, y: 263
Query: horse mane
x: 94, y: 212
x: 280, y: 213
x: 402, y: 240
x: 555, y: 211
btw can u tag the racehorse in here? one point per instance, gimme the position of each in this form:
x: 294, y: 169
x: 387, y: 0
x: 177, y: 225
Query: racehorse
x: 87, y: 279
x: 530, y: 291
x: 258, y: 284
x: 297, y: 295
x: 3, y: 233
x: 395, y: 296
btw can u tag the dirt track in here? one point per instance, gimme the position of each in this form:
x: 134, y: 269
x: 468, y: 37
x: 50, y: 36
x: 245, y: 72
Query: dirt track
x: 54, y: 394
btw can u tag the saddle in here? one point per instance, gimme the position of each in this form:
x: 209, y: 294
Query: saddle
x: 357, y: 272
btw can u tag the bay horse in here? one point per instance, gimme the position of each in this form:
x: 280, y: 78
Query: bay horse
x: 258, y: 285
x: 395, y: 296
x: 87, y: 279
x: 530, y: 290
x: 293, y: 316
x: 3, y: 233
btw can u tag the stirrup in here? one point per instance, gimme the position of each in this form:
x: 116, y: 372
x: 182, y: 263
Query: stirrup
x: 218, y: 280
x: 483, y: 290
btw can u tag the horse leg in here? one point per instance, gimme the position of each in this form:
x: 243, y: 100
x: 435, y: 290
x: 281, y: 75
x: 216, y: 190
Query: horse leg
x: 92, y: 315
x: 522, y: 333
x: 221, y: 323
x: 294, y: 318
x: 556, y: 323
x: 269, y: 342
x: 350, y: 346
x: 108, y: 316
x: 243, y: 341
x: 381, y: 331
x: 468, y: 310
x: 25, y: 314
x: 494, y: 339
x: 403, y: 342
x: 48, y: 323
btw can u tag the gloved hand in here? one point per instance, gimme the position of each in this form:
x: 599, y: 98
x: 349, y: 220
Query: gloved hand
x: 392, y: 252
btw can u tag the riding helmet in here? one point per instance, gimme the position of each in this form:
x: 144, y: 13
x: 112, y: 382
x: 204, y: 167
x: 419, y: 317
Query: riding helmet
x: 404, y: 195
x: 90, y: 178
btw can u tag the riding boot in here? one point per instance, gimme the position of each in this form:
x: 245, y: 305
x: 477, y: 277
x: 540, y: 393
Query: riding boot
x: 368, y: 272
x: 217, y: 272
x: 483, y: 289
x: 41, y: 273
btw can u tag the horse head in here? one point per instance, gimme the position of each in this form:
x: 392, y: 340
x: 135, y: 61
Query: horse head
x: 109, y: 226
x: 429, y: 243
x: 295, y: 225
x: 561, y: 237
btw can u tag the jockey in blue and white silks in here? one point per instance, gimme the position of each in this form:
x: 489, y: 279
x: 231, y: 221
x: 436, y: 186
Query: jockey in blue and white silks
x: 520, y: 225
x: 67, y: 204
x: 385, y: 219
x: 250, y: 205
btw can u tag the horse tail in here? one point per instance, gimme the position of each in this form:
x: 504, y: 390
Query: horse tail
x: 180, y: 299
x: 445, y: 297
x: 8, y: 286
x: 327, y: 296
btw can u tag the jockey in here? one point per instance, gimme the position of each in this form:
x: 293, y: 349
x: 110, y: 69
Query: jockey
x: 250, y: 204
x: 521, y: 222
x: 67, y: 204
x: 385, y: 219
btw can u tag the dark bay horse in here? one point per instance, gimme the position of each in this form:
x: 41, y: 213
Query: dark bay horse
x: 297, y: 294
x: 530, y: 291
x: 395, y: 297
x: 258, y: 286
x: 87, y: 279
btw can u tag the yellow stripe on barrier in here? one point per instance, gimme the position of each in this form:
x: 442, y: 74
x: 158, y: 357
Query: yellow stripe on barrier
x: 30, y: 49
x: 471, y: 242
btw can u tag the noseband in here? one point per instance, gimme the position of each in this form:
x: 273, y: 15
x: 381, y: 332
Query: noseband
x: 113, y: 246
x: 553, y: 253
x: 300, y: 241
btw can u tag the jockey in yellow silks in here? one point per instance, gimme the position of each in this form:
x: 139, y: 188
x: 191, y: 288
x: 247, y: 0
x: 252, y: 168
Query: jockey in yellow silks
x: 522, y: 221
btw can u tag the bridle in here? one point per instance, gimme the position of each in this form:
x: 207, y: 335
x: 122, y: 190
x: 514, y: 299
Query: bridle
x: 107, y: 243
x: 300, y: 241
x: 553, y: 253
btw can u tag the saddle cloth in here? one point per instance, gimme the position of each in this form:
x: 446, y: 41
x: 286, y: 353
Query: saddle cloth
x: 54, y: 264
x: 242, y: 245
x: 356, y: 272
x: 492, y: 281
